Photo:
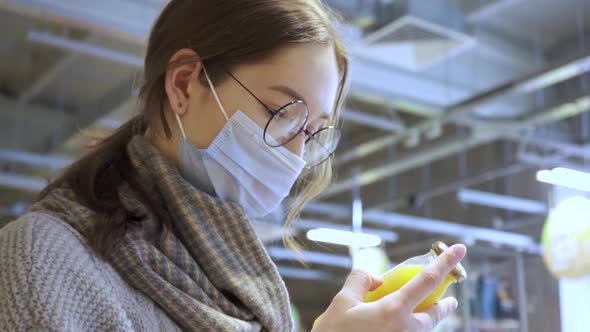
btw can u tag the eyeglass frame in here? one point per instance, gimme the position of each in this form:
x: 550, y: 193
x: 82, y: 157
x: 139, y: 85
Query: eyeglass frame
x: 273, y: 112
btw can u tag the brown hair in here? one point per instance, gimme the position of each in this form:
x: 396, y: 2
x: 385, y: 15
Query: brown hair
x: 224, y: 33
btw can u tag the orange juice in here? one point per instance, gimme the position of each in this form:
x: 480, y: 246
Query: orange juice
x: 395, y: 278
x: 398, y: 276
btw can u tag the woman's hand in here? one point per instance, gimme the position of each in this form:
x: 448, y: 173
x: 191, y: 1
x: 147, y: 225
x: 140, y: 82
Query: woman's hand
x: 394, y: 312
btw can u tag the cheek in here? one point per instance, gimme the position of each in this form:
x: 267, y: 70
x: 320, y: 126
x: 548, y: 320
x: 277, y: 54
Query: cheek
x: 296, y: 145
x: 202, y: 123
x: 234, y: 100
x: 257, y: 114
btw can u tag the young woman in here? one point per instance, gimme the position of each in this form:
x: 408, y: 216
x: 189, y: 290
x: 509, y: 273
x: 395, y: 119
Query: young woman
x: 149, y: 231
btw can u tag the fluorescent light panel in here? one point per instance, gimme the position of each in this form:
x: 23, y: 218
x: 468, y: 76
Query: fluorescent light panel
x: 565, y: 177
x: 334, y: 236
x: 306, y: 224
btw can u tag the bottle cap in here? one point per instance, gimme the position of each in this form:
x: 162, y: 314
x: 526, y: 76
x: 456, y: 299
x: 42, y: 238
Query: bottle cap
x: 458, y: 272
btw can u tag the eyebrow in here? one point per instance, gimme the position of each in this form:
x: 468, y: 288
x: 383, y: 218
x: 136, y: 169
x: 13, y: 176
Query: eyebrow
x: 289, y: 92
x: 296, y: 96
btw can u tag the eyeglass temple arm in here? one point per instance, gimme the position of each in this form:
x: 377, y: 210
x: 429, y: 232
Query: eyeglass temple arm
x: 268, y: 108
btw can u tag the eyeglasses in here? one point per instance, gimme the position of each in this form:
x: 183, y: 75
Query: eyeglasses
x: 289, y: 121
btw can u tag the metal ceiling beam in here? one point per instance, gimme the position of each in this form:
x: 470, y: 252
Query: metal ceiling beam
x: 348, y: 116
x: 523, y: 223
x: 564, y: 148
x: 90, y: 49
x: 329, y: 209
x: 24, y: 183
x: 86, y: 48
x: 478, y: 137
x: 500, y: 47
x: 50, y: 161
x: 481, y: 14
x: 406, y: 105
x: 550, y: 162
x: 424, y: 156
x: 505, y: 202
x: 514, y: 240
x: 288, y: 272
x: 50, y: 74
x: 451, y: 186
x: 280, y: 253
x: 130, y: 21
x: 393, y: 83
x: 525, y: 161
x: 461, y: 231
x: 117, y: 98
x: 456, y: 112
x: 31, y: 127
x: 122, y: 19
x: 374, y: 121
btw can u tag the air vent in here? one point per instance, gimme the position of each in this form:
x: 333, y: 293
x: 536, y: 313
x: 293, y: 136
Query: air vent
x: 413, y: 43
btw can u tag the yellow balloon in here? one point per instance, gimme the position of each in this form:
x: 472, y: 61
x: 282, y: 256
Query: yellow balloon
x: 566, y: 239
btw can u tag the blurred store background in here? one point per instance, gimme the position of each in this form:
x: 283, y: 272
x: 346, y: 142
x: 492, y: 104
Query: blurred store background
x: 455, y: 107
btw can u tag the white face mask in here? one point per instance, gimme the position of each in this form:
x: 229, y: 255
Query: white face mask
x: 241, y: 166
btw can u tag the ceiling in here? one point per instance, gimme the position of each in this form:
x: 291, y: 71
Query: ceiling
x: 483, y: 117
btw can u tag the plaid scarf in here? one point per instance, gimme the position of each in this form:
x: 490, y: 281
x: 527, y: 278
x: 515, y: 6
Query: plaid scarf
x: 211, y: 274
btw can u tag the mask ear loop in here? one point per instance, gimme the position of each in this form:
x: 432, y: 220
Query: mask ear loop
x: 180, y: 125
x: 215, y: 94
x: 216, y: 99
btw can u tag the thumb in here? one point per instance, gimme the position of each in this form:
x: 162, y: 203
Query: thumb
x: 359, y: 283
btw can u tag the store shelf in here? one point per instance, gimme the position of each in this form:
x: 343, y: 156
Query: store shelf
x: 495, y: 325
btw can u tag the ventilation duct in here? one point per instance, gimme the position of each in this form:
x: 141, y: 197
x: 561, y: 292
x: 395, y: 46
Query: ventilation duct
x: 418, y: 34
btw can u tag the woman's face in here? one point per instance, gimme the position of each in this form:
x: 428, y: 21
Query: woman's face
x: 299, y: 72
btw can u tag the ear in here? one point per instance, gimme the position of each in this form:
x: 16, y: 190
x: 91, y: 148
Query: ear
x: 179, y: 77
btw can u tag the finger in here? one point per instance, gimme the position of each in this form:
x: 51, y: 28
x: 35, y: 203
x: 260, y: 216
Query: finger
x: 377, y: 281
x: 419, y: 287
x: 359, y: 283
x: 431, y: 317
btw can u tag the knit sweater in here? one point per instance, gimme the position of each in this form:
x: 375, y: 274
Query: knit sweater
x: 50, y: 280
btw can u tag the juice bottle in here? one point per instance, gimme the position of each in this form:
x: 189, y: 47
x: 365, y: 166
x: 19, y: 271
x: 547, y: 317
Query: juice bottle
x: 398, y: 276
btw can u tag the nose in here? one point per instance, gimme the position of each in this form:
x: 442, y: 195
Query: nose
x: 297, y: 145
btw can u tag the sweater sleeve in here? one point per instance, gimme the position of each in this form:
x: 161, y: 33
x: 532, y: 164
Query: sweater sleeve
x: 49, y: 280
